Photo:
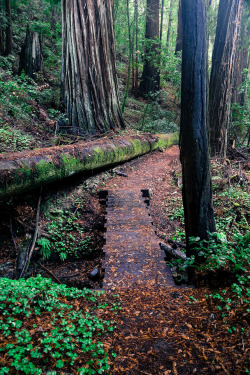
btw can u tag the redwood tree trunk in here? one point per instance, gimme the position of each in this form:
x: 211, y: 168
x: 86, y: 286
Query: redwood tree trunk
x: 223, y: 62
x: 89, y: 81
x: 31, y: 60
x: 150, y: 82
x: 178, y: 46
x: 197, y: 191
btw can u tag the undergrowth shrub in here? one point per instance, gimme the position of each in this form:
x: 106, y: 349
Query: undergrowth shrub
x: 45, y: 326
x: 218, y: 254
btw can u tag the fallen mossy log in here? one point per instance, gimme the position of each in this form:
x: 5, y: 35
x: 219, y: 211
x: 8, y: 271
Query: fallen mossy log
x: 26, y: 170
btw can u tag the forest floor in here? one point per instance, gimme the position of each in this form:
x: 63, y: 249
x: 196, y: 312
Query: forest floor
x: 166, y: 330
x: 172, y: 330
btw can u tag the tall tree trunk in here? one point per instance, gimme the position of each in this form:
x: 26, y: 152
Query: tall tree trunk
x: 162, y: 15
x: 197, y: 191
x: 129, y: 58
x: 178, y: 46
x: 242, y: 60
x: 89, y: 81
x: 170, y: 19
x: 223, y: 62
x: 150, y: 82
x: 1, y: 41
x: 8, y: 32
x: 31, y: 60
x: 136, y: 49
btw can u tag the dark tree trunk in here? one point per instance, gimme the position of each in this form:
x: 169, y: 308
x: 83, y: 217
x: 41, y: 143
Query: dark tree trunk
x: 150, y: 82
x: 1, y: 42
x: 178, y: 46
x: 223, y: 62
x: 89, y: 81
x: 31, y: 61
x: 197, y: 191
x: 169, y: 21
x: 8, y: 32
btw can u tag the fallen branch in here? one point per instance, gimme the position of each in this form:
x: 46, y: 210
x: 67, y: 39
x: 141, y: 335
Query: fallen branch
x: 177, y: 243
x: 30, y: 251
x: 173, y: 252
x: 50, y: 273
x: 120, y: 173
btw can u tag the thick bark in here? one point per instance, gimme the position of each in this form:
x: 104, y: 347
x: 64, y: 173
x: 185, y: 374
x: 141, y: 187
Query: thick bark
x: 31, y: 60
x: 24, y: 171
x: 89, y: 80
x: 178, y: 46
x: 150, y: 82
x: 197, y: 191
x: 223, y: 62
x: 8, y: 31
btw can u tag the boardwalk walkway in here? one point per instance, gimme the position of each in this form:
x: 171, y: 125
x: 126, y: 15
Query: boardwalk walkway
x: 132, y: 252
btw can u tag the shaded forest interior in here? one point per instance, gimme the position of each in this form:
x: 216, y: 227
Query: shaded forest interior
x: 100, y: 96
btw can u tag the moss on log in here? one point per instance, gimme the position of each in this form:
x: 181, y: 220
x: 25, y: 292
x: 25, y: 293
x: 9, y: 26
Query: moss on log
x: 24, y: 171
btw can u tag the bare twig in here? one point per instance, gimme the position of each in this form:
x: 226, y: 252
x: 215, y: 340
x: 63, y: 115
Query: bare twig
x: 51, y: 273
x: 12, y: 233
x: 30, y: 251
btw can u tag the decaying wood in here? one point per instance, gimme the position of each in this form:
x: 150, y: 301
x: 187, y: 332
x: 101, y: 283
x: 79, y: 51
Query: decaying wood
x: 173, y: 252
x: 27, y: 170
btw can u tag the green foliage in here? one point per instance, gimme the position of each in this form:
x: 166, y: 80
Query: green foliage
x: 241, y: 112
x: 218, y: 254
x: 12, y: 139
x: 18, y: 95
x: 155, y: 118
x: 68, y: 238
x: 32, y: 348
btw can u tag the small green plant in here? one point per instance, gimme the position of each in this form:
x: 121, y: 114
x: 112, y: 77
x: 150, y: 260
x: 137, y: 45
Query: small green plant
x: 219, y: 254
x: 45, y: 245
x: 40, y: 328
x: 68, y: 238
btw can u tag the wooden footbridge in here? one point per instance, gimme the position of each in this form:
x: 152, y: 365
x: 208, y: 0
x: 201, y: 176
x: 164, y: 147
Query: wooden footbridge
x: 131, y: 255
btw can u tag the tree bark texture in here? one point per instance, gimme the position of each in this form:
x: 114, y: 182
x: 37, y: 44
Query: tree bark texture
x: 178, y: 46
x: 31, y: 60
x: 150, y: 82
x: 27, y: 170
x: 223, y: 62
x: 197, y: 191
x: 89, y: 81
